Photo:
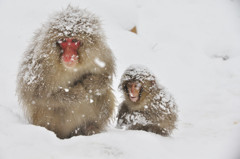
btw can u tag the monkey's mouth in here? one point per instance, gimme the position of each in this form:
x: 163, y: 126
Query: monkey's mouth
x: 70, y: 60
x: 133, y: 98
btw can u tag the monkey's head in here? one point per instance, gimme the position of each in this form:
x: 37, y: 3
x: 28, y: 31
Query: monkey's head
x: 74, y: 38
x: 137, y: 83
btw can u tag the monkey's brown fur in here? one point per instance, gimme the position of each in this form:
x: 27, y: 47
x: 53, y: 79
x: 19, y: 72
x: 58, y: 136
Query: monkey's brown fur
x: 155, y: 111
x: 66, y: 101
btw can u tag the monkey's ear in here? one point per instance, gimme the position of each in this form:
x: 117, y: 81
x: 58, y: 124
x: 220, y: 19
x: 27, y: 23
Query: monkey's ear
x: 125, y: 88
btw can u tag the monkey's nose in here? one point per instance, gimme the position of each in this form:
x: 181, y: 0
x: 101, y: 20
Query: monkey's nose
x: 131, y: 94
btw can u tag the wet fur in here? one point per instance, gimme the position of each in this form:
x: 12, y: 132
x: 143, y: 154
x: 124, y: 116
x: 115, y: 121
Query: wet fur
x: 161, y: 122
x: 67, y: 102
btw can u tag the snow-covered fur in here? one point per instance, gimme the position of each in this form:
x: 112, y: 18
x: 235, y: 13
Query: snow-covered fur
x: 156, y: 110
x: 68, y: 101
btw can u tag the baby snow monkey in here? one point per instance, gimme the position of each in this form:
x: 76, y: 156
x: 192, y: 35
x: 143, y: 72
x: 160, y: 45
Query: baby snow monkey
x: 146, y: 106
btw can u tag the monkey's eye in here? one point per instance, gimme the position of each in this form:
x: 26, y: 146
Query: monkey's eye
x: 61, y: 40
x: 74, y: 40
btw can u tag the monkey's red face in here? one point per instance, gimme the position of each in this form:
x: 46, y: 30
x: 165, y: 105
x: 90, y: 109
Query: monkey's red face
x: 134, y: 89
x: 69, y: 48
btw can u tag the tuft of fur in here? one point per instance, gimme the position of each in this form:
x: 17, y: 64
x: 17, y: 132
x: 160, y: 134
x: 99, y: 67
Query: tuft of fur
x: 66, y: 101
x: 155, y: 111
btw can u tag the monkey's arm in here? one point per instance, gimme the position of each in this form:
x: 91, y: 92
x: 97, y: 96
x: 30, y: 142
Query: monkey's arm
x: 123, y: 115
x: 122, y: 110
x: 81, y: 90
x: 71, y: 94
x: 50, y: 97
x: 96, y: 83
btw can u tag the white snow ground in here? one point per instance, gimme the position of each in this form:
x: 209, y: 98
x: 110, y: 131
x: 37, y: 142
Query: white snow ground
x: 182, y: 42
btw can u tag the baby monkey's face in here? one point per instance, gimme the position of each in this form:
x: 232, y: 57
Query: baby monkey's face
x: 133, y: 90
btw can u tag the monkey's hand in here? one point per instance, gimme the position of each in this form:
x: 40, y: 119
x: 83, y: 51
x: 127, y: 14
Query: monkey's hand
x: 96, y: 83
x: 67, y: 95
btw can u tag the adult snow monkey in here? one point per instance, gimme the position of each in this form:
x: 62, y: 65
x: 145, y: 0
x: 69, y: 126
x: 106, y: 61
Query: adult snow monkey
x: 65, y: 78
x: 146, y: 106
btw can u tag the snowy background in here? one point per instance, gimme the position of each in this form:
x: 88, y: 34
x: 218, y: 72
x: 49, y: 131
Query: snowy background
x: 192, y: 46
